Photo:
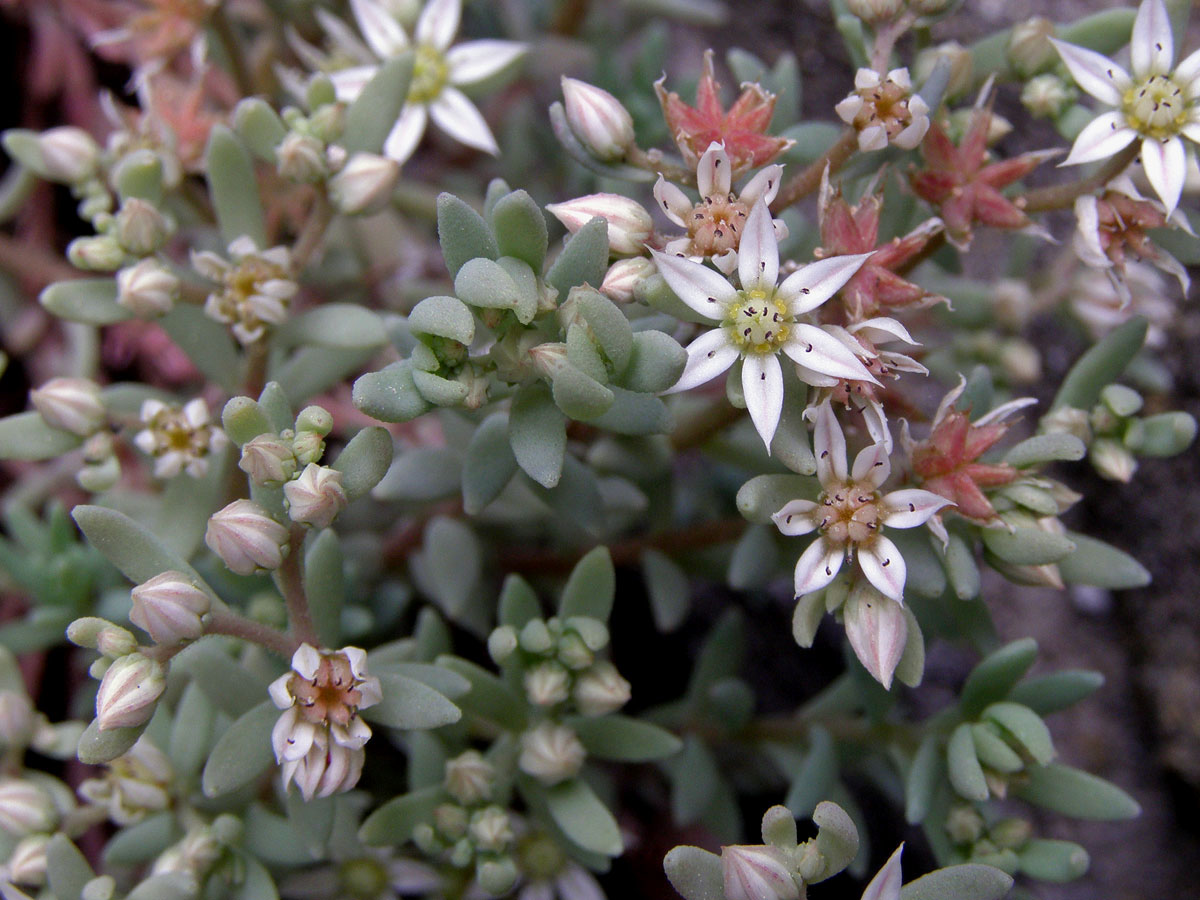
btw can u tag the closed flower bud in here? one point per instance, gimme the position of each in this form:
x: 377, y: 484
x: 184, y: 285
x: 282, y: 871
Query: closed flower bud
x: 316, y: 497
x: 25, y: 808
x: 547, y: 684
x: 129, y: 691
x: 491, y: 829
x: 1112, y: 460
x: 756, y: 872
x: 1029, y: 47
x: 141, y: 228
x: 168, y: 607
x: 72, y: 404
x: 69, y: 154
x: 469, y: 777
x: 1047, y: 96
x: 245, y: 538
x: 85, y: 631
x: 315, y: 419
x: 114, y: 641
x: 874, y: 11
x: 147, y: 288
x: 551, y: 753
x: 364, y: 185
x: 962, y: 66
x: 601, y: 690
x: 451, y: 821
x: 502, y: 643
x: 598, y: 119
x: 573, y: 652
x: 308, y: 446
x: 300, y: 157
x: 268, y: 460
x: 496, y: 876
x: 623, y: 276
x: 27, y: 862
x: 1070, y: 420
x: 877, y: 630
x: 98, y: 254
x: 629, y: 224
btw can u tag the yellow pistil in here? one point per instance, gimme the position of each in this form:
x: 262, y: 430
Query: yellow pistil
x: 1155, y: 108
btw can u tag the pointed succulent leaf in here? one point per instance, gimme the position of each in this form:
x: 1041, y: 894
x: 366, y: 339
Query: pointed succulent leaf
x: 579, y: 396
x: 590, y: 588
x: 1076, y: 793
x: 583, y: 818
x: 97, y: 747
x: 191, y: 730
x: 1101, y: 365
x: 489, y: 464
x: 966, y: 774
x: 422, y: 475
x: 129, y: 546
x: 764, y: 495
x: 971, y: 881
x: 996, y: 675
x: 142, y: 841
x: 233, y: 188
x: 92, y: 301
x: 669, y: 589
x: 463, y: 234
x: 393, y: 823
x: 520, y: 228
x: 373, y: 113
x: 1057, y: 691
x: 1165, y: 434
x: 518, y: 602
x: 446, y: 317
x: 207, y: 343
x: 324, y: 585
x: 583, y: 260
x: 489, y: 698
x: 242, y: 753
x: 410, y: 704
x: 633, y: 413
x: 1097, y: 563
x: 26, y: 436
x: 926, y: 773
x: 814, y: 777
x: 624, y: 738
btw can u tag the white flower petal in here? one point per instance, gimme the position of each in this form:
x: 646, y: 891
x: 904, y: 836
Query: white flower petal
x: 713, y: 175
x: 402, y: 140
x: 762, y: 385
x: 829, y: 446
x: 672, y: 201
x: 881, y: 329
x: 1086, y: 240
x: 877, y: 630
x: 305, y: 661
x: 708, y: 356
x: 382, y: 32
x: 438, y: 23
x: 1165, y: 163
x: 1097, y: 75
x: 280, y: 733
x: 763, y: 186
x: 884, y: 567
x: 696, y: 285
x: 477, y: 60
x: 886, y: 883
x: 341, y: 35
x: 1004, y: 410
x: 817, y: 566
x: 814, y: 378
x: 1151, y: 46
x: 911, y: 507
x: 1191, y: 131
x: 814, y: 348
x: 797, y: 517
x: 457, y: 116
x: 1187, y: 75
x: 348, y: 83
x: 873, y: 137
x: 758, y: 252
x: 847, y: 109
x: 1104, y: 136
x: 872, y: 465
x: 279, y: 693
x: 810, y: 286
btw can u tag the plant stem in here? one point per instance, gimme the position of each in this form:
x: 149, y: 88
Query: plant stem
x: 232, y: 46
x: 231, y: 624
x: 570, y: 17
x: 886, y: 39
x: 809, y: 180
x: 291, y: 583
x: 652, y: 161
x: 1062, y: 196
x: 31, y: 262
x: 313, y: 233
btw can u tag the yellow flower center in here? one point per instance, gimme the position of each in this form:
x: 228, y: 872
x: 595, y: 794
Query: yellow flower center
x: 430, y: 74
x: 1156, y: 107
x: 758, y: 322
x: 850, y: 514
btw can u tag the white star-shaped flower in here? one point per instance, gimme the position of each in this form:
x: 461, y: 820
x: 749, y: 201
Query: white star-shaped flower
x: 439, y: 72
x: 761, y: 319
x: 850, y: 515
x: 1155, y: 103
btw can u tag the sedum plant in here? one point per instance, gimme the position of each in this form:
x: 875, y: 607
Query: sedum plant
x: 360, y: 491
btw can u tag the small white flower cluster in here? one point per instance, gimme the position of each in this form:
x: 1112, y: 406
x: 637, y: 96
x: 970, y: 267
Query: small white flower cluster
x: 883, y: 109
x: 179, y: 440
x: 256, y: 287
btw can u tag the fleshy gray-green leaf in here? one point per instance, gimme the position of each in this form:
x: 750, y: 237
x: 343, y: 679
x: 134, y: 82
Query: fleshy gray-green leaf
x: 694, y: 776
x: 584, y: 259
x: 233, y: 188
x: 229, y: 685
x: 816, y: 773
x: 1097, y: 563
x: 669, y: 590
x: 1027, y: 546
x: 66, y: 868
x: 364, y: 461
x: 167, y: 886
x: 97, y: 747
x: 1058, y: 690
x: 1101, y: 365
x: 971, y: 881
x: 590, y: 588
x: 537, y: 432
x: 583, y: 818
x: 1057, y: 861
x: 137, y: 553
x: 142, y: 841
x: 191, y: 730
x: 633, y: 413
x: 139, y: 174
x: 92, y: 301
x: 26, y: 436
x: 411, y: 704
x: 259, y: 126
x: 393, y: 823
x: 489, y: 697
x: 242, y: 753
x: 442, y: 316
x: 244, y: 419
x: 966, y: 774
x: 373, y: 113
x: 996, y: 675
x: 696, y: 874
x: 656, y: 360
x: 837, y: 838
x: 422, y: 475
x: 624, y: 738
x: 452, y: 561
x: 764, y: 495
x: 324, y: 584
x: 1076, y: 793
x: 1165, y: 434
x: 520, y: 229
x: 1044, y: 448
x: 344, y: 325
x: 390, y: 395
x: 206, y: 342
x: 924, y: 776
x: 489, y: 464
x: 463, y: 234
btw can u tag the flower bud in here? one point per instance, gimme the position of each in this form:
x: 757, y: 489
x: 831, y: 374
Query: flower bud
x: 623, y: 276
x: 141, y: 228
x: 491, y: 829
x: 496, y: 876
x: 502, y: 643
x: 85, y: 631
x: 316, y: 497
x: 268, y: 460
x: 245, y: 538
x: 469, y: 777
x: 573, y: 652
x: 25, y: 808
x: 1112, y: 460
x: 168, y: 607
x: 365, y: 184
x: 300, y: 157
x: 877, y: 631
x: 27, y: 862
x: 629, y: 224
x: 964, y: 825
x: 129, y: 691
x: 535, y: 637
x: 147, y: 288
x: 99, y: 254
x: 72, y: 404
x: 451, y: 821
x: 757, y: 872
x: 1047, y: 95
x: 308, y: 447
x: 601, y: 690
x: 114, y: 641
x: 547, y: 684
x: 1011, y: 834
x: 69, y: 154
x: 1070, y: 420
x: 598, y: 119
x: 316, y: 419
x: 875, y: 11
x: 962, y: 66
x: 551, y: 753
x: 1029, y: 47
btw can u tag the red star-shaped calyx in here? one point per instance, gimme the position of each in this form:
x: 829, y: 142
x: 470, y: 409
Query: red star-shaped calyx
x: 741, y: 130
x: 947, y: 463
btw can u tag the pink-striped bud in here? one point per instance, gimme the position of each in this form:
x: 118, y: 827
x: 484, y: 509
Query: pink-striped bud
x: 629, y: 224
x: 246, y: 538
x: 129, y: 691
x: 316, y: 497
x: 72, y: 404
x: 757, y: 872
x: 599, y: 120
x: 168, y: 607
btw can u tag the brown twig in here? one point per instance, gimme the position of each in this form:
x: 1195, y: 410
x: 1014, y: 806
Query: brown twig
x: 34, y: 264
x: 803, y: 184
x: 291, y: 584
x: 1062, y: 196
x: 231, y: 624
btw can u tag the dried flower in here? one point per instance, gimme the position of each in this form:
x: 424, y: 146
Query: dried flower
x: 246, y: 538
